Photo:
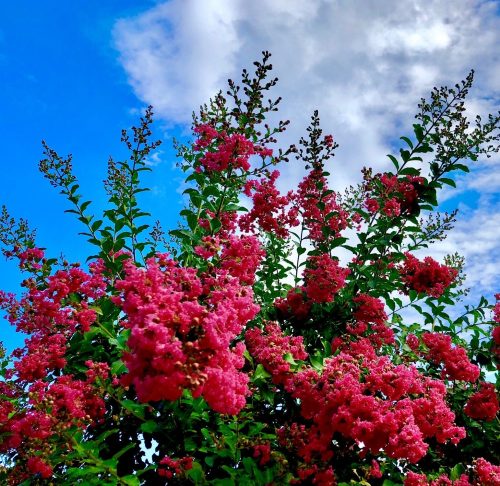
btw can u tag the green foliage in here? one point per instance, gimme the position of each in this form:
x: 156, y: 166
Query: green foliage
x: 126, y: 446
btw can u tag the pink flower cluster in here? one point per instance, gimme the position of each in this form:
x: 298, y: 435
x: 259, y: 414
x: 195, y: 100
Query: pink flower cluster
x: 52, y: 408
x: 369, y: 400
x: 263, y: 453
x: 370, y: 316
x: 496, y: 309
x: 169, y: 467
x: 240, y: 257
x: 313, y: 202
x: 323, y: 278
x: 295, y: 306
x: 414, y: 479
x: 486, y: 475
x: 228, y: 221
x: 319, y: 207
x: 271, y: 347
x: 426, y: 276
x: 483, y: 405
x: 209, y: 247
x: 182, y: 328
x: 228, y: 150
x: 38, y: 466
x: 456, y: 364
x: 315, y: 475
x: 398, y: 196
x: 30, y: 258
x: 269, y: 211
x: 51, y: 315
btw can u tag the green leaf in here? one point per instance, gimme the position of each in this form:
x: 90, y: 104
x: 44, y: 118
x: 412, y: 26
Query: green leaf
x: 456, y: 472
x: 84, y: 206
x: 122, y: 451
x: 140, y: 229
x: 209, y: 460
x: 196, y: 472
x: 461, y: 167
x: 408, y: 141
x: 409, y: 171
x: 211, y: 191
x: 288, y: 357
x: 76, y: 472
x: 149, y: 427
x: 446, y: 180
x: 194, y: 196
x: 419, y: 132
x: 260, y: 373
x: 133, y: 407
x: 337, y: 242
x: 317, y: 362
x: 96, y: 225
x: 74, y: 188
x: 215, y: 225
x: 181, y: 234
x: 118, y: 368
x: 131, y: 480
x: 192, y: 220
x: 394, y: 161
x: 235, y: 207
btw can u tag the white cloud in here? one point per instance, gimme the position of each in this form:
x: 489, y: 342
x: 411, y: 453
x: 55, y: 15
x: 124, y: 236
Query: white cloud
x: 476, y: 237
x: 170, y: 51
x: 365, y: 65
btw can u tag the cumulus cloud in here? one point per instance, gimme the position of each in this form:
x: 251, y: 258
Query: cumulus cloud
x: 475, y: 236
x: 365, y: 65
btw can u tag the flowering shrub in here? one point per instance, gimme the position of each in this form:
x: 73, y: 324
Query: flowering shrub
x: 247, y: 348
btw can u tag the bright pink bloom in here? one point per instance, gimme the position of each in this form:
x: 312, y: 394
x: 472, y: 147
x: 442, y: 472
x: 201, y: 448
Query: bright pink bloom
x: 210, y: 247
x: 392, y: 208
x: 426, y: 276
x: 488, y: 474
x: 496, y: 335
x: 294, y: 306
x: 372, y: 205
x: 370, y: 315
x: 412, y: 342
x: 241, y: 256
x: 269, y: 211
x: 319, y: 207
x: 182, y: 329
x: 30, y: 258
x: 206, y: 135
x: 270, y: 348
x: 401, y: 195
x: 496, y: 309
x: 231, y: 151
x: 457, y: 365
x: 392, y: 408
x: 375, y: 471
x: 263, y: 453
x: 329, y: 140
x: 323, y: 278
x: 169, y: 467
x: 36, y: 465
x: 483, y: 405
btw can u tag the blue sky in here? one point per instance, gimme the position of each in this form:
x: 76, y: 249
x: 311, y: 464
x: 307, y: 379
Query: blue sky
x: 61, y: 81
x: 76, y: 73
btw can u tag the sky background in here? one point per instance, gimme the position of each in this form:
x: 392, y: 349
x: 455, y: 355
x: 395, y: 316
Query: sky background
x: 76, y: 73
